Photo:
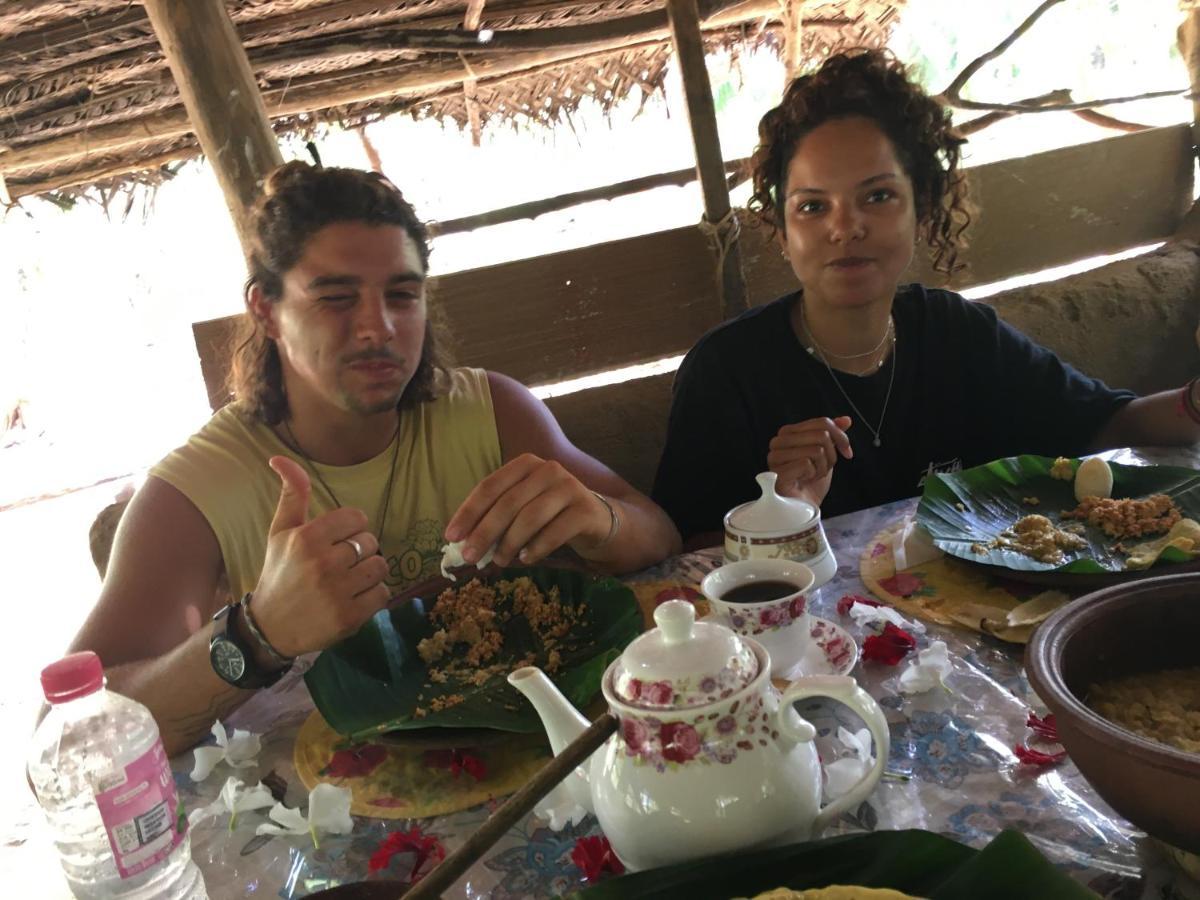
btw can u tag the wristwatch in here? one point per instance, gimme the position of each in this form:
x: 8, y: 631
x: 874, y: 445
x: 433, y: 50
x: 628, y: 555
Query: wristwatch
x: 231, y: 659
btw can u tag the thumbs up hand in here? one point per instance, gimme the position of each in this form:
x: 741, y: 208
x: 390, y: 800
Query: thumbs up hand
x: 321, y: 578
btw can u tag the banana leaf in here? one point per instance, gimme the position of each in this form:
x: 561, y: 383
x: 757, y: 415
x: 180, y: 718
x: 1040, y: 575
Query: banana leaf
x: 374, y: 681
x: 992, y: 498
x: 919, y: 863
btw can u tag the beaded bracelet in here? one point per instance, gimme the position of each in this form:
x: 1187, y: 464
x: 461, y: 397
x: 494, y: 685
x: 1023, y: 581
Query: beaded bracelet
x: 1187, y: 403
x: 259, y: 636
x: 615, y: 525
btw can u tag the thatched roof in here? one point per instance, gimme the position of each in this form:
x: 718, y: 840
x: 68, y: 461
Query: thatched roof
x: 86, y: 96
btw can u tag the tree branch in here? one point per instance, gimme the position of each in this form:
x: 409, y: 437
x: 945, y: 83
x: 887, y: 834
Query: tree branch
x: 960, y: 81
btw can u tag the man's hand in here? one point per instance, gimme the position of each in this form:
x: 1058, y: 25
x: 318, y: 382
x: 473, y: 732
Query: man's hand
x: 314, y: 589
x: 528, y: 508
x: 803, y: 455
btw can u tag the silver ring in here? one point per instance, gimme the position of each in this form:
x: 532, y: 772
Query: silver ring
x: 356, y: 547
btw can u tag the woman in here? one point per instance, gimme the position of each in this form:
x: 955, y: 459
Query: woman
x: 854, y: 389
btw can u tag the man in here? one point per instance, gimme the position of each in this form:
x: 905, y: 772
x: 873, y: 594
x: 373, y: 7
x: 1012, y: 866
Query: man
x: 379, y: 452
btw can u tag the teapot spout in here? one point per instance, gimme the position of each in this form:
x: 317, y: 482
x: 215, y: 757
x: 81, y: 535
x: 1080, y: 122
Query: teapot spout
x: 562, y: 721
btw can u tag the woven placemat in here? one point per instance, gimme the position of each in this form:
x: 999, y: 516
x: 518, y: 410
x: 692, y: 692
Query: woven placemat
x: 948, y: 591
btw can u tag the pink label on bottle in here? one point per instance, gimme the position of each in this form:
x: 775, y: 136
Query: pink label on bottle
x: 141, y: 812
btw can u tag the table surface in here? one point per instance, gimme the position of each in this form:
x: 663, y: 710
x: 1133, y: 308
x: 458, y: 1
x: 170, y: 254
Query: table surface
x: 955, y: 747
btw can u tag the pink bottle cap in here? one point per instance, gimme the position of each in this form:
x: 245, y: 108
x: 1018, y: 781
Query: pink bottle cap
x: 72, y: 676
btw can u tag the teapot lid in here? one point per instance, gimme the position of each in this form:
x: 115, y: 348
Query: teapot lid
x: 771, y: 512
x: 682, y: 663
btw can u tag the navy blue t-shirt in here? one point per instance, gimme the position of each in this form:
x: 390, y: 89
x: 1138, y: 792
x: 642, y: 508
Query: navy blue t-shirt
x: 968, y: 389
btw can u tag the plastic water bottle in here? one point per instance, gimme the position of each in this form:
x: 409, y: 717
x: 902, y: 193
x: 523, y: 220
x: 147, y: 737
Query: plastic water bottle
x: 105, y: 784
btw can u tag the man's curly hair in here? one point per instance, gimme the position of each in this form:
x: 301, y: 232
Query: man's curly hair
x: 297, y: 201
x: 875, y: 85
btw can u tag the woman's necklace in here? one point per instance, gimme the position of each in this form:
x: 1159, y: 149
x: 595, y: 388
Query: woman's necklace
x: 825, y: 354
x: 384, y: 502
x: 878, y: 429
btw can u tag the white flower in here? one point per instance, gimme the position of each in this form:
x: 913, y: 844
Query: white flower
x: 559, y: 808
x: 865, y: 614
x: 452, y: 558
x: 239, y: 751
x: 233, y: 799
x: 842, y: 774
x: 928, y: 670
x: 328, y: 810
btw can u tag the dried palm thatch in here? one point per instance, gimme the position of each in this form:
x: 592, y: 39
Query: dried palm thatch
x: 86, y: 96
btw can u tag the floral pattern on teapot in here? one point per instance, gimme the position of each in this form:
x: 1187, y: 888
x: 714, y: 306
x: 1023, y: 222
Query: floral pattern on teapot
x: 683, y: 692
x: 708, y: 738
x: 768, y: 618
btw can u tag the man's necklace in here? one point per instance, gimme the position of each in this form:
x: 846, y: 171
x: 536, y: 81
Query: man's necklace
x: 384, y: 501
x: 878, y: 429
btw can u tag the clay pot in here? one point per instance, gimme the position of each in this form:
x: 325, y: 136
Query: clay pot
x: 1127, y: 629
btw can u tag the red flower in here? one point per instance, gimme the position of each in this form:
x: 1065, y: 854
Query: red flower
x: 796, y: 608
x: 889, y: 647
x: 683, y: 592
x: 658, y: 693
x: 457, y: 761
x: 773, y: 615
x: 1030, y: 757
x: 847, y: 601
x: 1046, y: 728
x: 593, y: 856
x: 680, y: 742
x: 635, y: 733
x: 902, y: 584
x: 355, y: 762
x: 427, y: 850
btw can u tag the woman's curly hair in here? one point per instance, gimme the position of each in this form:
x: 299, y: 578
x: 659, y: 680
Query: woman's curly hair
x: 297, y: 201
x: 875, y: 85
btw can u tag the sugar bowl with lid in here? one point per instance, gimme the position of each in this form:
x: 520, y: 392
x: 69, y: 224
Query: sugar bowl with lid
x: 778, y: 527
x: 709, y: 756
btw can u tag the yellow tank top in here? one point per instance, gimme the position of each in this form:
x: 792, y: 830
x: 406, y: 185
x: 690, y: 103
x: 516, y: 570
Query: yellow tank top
x: 446, y: 447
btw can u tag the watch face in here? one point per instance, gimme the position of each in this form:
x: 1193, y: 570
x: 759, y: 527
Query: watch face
x: 228, y: 661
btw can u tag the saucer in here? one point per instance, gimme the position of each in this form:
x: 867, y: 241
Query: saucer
x: 832, y: 651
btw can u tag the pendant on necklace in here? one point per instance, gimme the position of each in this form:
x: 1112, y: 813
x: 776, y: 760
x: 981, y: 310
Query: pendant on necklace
x: 877, y: 442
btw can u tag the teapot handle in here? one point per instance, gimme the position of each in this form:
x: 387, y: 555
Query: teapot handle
x: 845, y: 690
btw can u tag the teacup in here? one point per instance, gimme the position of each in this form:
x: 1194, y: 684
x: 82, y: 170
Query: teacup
x: 766, y: 599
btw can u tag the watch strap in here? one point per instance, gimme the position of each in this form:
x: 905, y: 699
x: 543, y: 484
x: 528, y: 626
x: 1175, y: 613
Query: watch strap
x: 225, y: 632
x: 252, y: 627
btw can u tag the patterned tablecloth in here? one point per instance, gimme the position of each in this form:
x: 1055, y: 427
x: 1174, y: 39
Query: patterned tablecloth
x: 955, y: 747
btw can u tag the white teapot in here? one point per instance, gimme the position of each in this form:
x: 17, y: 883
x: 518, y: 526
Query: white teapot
x: 709, y: 757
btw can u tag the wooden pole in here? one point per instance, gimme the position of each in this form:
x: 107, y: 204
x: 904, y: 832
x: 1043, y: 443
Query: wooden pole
x: 471, y: 22
x: 1188, y: 37
x: 222, y: 100
x: 710, y: 165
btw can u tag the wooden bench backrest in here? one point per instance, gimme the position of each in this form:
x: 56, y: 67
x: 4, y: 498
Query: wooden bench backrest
x: 624, y: 302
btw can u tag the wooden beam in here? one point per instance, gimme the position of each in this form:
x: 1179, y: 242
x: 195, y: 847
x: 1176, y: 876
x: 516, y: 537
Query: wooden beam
x: 471, y: 22
x: 372, y: 83
x: 535, y: 208
x: 710, y: 166
x: 92, y: 172
x: 223, y: 104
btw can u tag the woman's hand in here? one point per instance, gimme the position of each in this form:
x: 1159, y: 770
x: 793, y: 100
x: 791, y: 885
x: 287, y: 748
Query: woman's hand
x: 803, y: 456
x: 316, y: 587
x: 527, y: 509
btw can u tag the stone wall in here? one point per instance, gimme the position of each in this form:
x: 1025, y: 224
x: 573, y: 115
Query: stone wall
x: 1131, y: 323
